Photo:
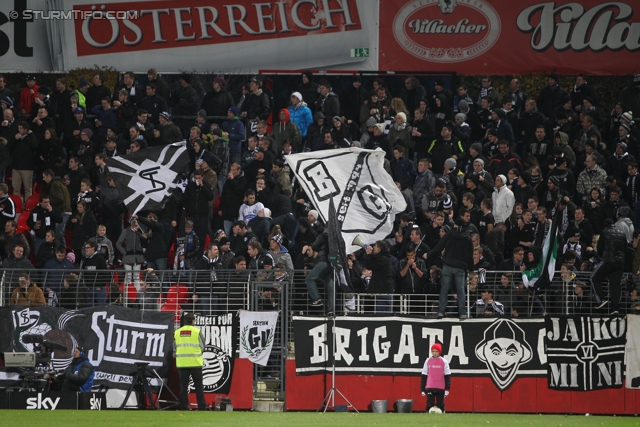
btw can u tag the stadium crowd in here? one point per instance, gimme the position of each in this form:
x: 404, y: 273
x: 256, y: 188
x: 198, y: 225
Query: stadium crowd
x: 495, y: 166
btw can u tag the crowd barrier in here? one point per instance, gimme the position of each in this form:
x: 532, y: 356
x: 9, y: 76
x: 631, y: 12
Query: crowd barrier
x: 209, y: 292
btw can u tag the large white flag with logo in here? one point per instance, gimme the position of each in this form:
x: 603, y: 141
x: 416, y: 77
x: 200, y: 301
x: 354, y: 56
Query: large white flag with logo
x: 146, y: 178
x: 632, y: 352
x: 365, y: 196
x: 257, y: 333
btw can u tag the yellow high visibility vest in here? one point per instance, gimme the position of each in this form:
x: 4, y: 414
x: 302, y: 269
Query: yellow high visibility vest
x: 188, y: 352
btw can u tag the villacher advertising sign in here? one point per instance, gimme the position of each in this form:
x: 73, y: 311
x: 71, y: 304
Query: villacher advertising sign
x: 507, y: 37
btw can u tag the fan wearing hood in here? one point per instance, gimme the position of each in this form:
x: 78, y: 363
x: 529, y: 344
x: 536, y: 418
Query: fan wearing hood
x: 503, y: 200
x: 285, y: 129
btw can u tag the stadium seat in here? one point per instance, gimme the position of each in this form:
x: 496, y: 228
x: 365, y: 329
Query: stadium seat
x: 17, y: 200
x: 22, y: 226
x: 131, y: 293
x: 32, y: 202
x: 178, y: 294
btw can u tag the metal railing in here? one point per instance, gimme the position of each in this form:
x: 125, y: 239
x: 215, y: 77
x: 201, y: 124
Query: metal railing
x: 211, y: 293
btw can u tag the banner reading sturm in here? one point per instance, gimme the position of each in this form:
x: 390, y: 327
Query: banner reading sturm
x: 114, y: 338
x: 220, y: 337
x: 502, y: 348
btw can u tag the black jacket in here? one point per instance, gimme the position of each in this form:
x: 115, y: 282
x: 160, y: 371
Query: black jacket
x: 196, y: 199
x: 612, y: 245
x: 458, y: 250
x: 156, y: 246
x: 382, y: 280
x: 232, y: 197
x: 321, y: 246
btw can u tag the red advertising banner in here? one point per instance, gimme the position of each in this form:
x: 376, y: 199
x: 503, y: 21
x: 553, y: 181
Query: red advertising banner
x: 509, y: 37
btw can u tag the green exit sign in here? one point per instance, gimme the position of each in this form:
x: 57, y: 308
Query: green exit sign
x: 360, y: 52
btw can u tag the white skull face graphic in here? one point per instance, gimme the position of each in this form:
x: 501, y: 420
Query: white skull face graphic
x: 503, y: 350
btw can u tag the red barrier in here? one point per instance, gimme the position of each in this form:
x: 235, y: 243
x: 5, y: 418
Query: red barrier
x: 468, y: 394
x: 241, y: 393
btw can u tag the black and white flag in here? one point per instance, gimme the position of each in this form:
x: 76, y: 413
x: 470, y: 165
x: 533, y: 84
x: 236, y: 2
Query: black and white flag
x: 146, y: 178
x: 585, y: 353
x: 368, y: 199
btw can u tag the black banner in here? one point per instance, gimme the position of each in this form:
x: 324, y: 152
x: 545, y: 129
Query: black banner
x: 502, y: 348
x: 114, y: 339
x: 220, y: 333
x: 47, y: 401
x: 585, y: 353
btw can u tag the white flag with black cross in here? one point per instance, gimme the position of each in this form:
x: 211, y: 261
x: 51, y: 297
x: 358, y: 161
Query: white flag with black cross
x: 257, y: 333
x: 146, y: 178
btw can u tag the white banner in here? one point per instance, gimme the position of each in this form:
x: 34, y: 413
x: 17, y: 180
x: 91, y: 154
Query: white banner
x: 364, y: 194
x: 632, y: 352
x: 250, y: 36
x: 257, y: 332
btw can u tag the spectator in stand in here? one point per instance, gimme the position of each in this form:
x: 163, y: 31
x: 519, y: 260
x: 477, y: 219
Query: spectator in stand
x: 27, y: 294
x: 218, y: 100
x: 328, y: 102
x: 7, y: 206
x: 22, y: 147
x: 550, y: 97
x: 42, y: 219
x: 256, y: 105
x: 234, y: 127
x: 84, y: 225
x: 28, y: 96
x: 503, y: 199
x: 196, y: 202
x: 60, y: 201
x: 104, y: 245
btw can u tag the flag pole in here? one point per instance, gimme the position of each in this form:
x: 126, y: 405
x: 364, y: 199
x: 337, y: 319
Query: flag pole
x: 329, y: 400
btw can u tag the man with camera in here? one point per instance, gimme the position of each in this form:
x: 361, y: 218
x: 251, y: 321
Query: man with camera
x: 79, y: 374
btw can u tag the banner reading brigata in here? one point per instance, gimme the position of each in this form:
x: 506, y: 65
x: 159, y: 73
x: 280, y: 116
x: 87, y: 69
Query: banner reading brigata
x: 114, y: 338
x: 508, y: 37
x: 502, y: 348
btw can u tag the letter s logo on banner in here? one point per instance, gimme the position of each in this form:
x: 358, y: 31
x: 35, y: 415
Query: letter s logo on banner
x: 446, y: 30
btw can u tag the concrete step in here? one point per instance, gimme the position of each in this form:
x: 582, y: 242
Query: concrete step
x: 261, y: 405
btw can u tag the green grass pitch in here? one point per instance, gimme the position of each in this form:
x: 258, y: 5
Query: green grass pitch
x: 115, y: 418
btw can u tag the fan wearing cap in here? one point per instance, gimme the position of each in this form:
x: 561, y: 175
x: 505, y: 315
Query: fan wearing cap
x: 444, y: 148
x: 625, y: 135
x: 439, y: 89
x: 618, y: 161
x: 218, y: 100
x: 166, y: 132
x: 554, y: 195
x: 74, y: 127
x: 28, y: 95
x: 550, y: 96
x: 436, y: 378
x: 502, y: 127
x: 629, y: 96
x: 503, y: 199
x: 279, y: 253
x: 565, y: 176
x: 256, y: 105
x: 300, y: 114
x: 234, y: 127
x: 436, y: 200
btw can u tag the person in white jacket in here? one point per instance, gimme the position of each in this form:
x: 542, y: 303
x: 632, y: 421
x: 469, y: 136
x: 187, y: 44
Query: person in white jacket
x: 503, y: 200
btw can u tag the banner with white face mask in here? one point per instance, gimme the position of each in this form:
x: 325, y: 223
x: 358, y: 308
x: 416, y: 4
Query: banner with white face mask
x: 257, y: 332
x: 365, y: 196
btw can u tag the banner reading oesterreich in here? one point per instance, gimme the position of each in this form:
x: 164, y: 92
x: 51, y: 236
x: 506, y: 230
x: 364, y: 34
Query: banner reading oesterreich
x: 257, y: 331
x: 146, y: 178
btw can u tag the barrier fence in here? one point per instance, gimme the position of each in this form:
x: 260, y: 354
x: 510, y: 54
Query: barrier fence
x: 211, y: 293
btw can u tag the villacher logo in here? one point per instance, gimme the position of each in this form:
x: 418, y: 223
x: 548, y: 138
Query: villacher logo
x: 446, y: 30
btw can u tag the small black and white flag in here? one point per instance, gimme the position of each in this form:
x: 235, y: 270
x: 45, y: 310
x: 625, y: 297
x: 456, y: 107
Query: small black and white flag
x: 146, y: 178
